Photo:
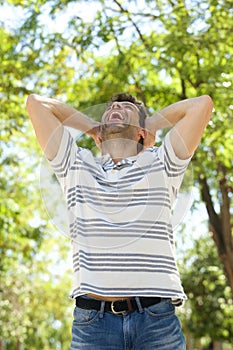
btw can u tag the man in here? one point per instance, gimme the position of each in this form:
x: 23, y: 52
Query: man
x: 126, y: 281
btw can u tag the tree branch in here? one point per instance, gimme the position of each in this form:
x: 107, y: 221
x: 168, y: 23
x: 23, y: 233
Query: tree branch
x: 114, y: 35
x: 144, y: 14
x: 133, y: 23
x: 183, y: 87
x: 214, y: 219
x: 225, y: 210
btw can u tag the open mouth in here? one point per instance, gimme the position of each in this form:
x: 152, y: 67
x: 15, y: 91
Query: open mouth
x: 115, y: 117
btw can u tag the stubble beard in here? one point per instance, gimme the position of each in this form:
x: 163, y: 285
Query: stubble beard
x: 110, y: 131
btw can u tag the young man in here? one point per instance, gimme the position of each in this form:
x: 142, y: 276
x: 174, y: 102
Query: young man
x: 125, y: 274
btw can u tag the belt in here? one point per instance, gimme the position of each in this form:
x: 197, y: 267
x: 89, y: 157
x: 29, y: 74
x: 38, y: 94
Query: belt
x: 117, y: 307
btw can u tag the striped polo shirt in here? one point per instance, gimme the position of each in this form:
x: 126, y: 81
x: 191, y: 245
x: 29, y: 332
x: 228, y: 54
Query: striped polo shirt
x: 120, y: 219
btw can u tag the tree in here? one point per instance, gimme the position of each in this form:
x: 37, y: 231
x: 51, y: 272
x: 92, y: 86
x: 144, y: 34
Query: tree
x: 208, y: 312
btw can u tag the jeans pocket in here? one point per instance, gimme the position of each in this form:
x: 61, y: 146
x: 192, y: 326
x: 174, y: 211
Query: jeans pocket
x: 162, y: 309
x: 85, y: 317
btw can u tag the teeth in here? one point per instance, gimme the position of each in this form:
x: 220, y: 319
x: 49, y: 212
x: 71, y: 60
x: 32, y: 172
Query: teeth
x: 115, y: 115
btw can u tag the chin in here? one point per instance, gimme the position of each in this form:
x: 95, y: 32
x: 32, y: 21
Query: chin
x: 114, y: 128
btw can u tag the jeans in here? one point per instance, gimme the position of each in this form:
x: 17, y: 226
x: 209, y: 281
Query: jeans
x: 154, y: 327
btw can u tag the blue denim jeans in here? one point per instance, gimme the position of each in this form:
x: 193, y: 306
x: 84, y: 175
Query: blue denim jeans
x: 154, y: 327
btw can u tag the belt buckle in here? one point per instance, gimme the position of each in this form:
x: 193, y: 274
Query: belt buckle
x: 117, y: 312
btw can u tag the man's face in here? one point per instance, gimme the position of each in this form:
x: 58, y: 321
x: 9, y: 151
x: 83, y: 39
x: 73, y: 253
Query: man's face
x: 119, y: 117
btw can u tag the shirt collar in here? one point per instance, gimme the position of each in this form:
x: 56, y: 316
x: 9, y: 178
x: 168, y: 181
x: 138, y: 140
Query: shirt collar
x: 108, y: 163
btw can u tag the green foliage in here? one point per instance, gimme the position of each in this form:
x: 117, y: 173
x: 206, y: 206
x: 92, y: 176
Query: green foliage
x: 34, y: 301
x: 208, y: 311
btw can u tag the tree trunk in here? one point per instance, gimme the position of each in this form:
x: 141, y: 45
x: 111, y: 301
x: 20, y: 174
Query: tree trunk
x: 18, y: 345
x: 189, y: 340
x: 198, y: 345
x: 217, y: 345
x: 220, y: 225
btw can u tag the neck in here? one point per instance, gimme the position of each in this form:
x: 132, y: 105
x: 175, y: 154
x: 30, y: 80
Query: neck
x: 119, y: 148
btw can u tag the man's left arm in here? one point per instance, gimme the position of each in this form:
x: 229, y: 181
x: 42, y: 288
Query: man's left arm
x: 188, y: 118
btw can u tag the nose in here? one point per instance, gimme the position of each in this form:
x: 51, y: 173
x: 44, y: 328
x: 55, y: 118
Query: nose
x: 116, y: 104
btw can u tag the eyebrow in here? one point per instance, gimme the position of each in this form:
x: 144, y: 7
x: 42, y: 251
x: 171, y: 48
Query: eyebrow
x: 130, y: 103
x: 124, y: 102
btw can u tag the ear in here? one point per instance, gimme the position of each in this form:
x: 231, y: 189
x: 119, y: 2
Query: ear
x: 95, y: 133
x: 149, y: 139
x: 98, y: 141
x: 142, y: 133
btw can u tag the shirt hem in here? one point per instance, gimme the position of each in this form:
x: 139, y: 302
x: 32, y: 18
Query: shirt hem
x: 173, y: 297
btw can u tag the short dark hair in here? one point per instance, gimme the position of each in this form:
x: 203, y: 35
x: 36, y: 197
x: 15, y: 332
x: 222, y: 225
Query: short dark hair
x: 124, y: 96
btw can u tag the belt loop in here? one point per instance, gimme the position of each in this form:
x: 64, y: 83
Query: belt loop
x: 140, y: 308
x: 101, y: 312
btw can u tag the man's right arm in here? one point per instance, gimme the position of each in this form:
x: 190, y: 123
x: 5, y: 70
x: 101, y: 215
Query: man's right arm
x: 48, y: 116
x: 188, y: 117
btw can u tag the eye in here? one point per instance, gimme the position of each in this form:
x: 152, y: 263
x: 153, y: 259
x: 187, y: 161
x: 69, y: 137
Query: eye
x: 129, y: 106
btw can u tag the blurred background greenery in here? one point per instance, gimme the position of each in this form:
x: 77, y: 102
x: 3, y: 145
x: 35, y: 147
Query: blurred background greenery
x: 82, y: 52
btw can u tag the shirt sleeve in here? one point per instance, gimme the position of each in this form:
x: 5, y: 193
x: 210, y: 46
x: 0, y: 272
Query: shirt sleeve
x: 64, y: 158
x: 174, y: 167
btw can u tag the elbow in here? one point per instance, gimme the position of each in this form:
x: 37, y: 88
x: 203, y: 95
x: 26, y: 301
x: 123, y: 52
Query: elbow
x: 32, y: 103
x: 31, y: 99
x: 207, y: 106
x: 207, y: 100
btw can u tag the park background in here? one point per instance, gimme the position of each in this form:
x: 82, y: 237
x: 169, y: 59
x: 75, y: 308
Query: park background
x: 82, y: 52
